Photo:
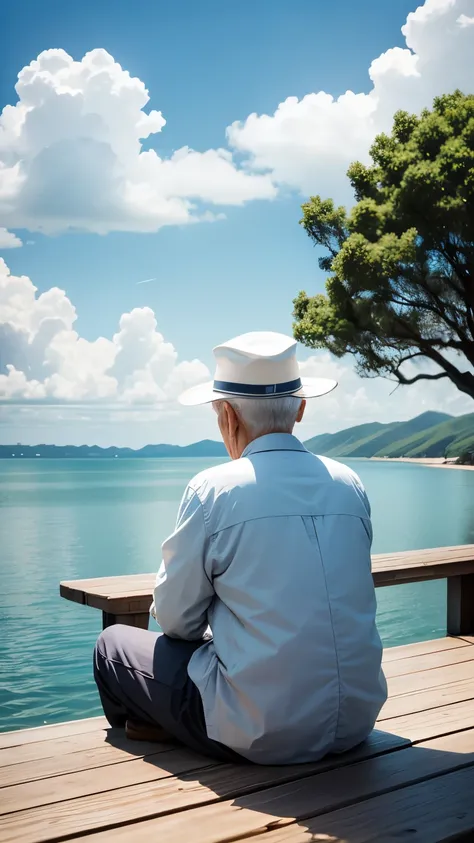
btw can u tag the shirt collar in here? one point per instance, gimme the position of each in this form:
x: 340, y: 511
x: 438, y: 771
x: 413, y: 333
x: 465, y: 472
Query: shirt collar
x: 274, y: 442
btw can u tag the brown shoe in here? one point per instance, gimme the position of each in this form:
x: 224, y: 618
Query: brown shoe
x: 143, y: 732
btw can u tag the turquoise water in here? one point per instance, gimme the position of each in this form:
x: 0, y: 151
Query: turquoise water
x: 71, y: 519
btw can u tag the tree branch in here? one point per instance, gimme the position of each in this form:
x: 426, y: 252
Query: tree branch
x: 421, y: 377
x: 460, y: 271
x: 416, y: 304
x: 433, y: 354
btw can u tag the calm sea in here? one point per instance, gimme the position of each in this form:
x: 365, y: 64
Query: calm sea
x: 68, y: 519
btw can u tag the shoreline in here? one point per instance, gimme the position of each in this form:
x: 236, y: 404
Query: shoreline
x: 430, y: 462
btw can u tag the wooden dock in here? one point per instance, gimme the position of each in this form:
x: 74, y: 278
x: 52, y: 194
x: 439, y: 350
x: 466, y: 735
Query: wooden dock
x: 412, y: 780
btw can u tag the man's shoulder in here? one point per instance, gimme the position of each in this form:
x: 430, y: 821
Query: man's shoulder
x: 221, y: 477
x: 346, y: 484
x: 241, y: 472
x: 339, y: 472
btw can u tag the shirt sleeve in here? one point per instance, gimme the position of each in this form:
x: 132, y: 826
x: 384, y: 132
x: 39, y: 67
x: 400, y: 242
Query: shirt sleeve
x: 183, y: 592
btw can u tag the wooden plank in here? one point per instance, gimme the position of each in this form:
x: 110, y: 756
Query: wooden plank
x: 429, y: 554
x: 420, y: 573
x: 123, y: 590
x: 400, y: 555
x: 110, y: 584
x: 19, y: 770
x: 429, y: 661
x: 434, y: 811
x: 436, y: 722
x: 418, y: 558
x: 109, y: 779
x: 74, y: 594
x: 121, y: 605
x: 429, y: 689
x: 69, y: 813
x: 141, y: 621
x: 111, y: 741
x: 421, y: 648
x: 29, y: 752
x: 247, y: 813
x: 281, y: 806
x: 415, y: 559
x: 438, y: 677
x: 425, y: 700
x: 52, y: 732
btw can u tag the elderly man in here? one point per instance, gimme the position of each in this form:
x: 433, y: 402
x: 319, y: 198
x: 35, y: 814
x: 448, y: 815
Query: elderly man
x: 269, y: 650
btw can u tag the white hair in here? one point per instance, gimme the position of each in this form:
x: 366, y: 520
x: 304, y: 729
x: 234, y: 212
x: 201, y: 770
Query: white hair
x: 265, y: 415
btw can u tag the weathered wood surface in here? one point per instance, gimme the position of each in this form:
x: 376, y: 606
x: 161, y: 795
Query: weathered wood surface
x: 412, y: 780
x: 132, y: 594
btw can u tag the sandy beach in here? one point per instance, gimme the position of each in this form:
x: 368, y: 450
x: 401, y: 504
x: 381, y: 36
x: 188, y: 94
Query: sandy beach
x: 431, y: 462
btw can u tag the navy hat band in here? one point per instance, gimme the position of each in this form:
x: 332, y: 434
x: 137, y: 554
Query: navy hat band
x: 250, y: 390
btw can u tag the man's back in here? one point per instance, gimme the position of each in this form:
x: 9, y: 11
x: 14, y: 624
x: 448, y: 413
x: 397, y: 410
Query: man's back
x: 293, y: 670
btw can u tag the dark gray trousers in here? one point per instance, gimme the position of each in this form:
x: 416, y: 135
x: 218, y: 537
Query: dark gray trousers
x: 143, y: 676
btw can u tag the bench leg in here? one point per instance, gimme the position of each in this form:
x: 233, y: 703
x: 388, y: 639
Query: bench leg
x: 140, y: 620
x: 461, y: 605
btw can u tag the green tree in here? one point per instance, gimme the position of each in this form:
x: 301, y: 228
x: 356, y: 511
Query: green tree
x: 466, y: 458
x: 402, y: 259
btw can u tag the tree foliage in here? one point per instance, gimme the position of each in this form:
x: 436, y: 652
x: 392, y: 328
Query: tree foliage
x: 466, y: 458
x: 401, y: 260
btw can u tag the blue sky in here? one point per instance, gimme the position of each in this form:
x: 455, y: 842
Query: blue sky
x: 205, y: 66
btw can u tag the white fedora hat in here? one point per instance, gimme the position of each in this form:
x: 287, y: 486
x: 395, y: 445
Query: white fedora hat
x: 260, y: 364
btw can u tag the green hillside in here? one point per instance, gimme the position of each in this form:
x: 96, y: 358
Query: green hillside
x: 327, y: 443
x: 429, y: 435
x: 400, y: 430
x: 448, y: 439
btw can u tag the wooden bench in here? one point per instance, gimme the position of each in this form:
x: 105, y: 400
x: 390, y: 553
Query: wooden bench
x: 127, y: 599
x: 412, y: 780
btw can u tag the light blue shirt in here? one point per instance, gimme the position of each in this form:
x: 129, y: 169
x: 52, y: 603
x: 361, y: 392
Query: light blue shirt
x: 272, y: 552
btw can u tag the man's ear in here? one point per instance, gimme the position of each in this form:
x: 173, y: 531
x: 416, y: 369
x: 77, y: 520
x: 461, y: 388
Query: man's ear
x: 232, y: 419
x: 232, y: 429
x: 301, y: 410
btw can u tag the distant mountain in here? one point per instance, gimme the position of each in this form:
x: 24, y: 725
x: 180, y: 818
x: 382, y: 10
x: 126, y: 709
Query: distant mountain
x: 429, y: 435
x: 330, y: 444
x: 206, y: 448
x: 450, y: 439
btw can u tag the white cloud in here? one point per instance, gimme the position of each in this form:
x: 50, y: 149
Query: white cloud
x: 308, y: 144
x: 463, y: 21
x: 135, y: 377
x: 42, y: 358
x: 8, y: 240
x: 71, y: 155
